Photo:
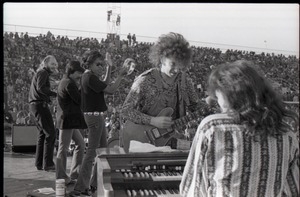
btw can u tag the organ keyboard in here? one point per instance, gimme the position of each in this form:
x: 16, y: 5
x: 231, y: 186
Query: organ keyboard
x: 139, y: 174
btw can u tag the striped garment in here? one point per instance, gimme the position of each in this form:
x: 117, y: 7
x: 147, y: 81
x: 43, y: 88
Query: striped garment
x: 223, y: 161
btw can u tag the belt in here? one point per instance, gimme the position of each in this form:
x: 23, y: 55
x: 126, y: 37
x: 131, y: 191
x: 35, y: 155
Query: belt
x: 95, y: 113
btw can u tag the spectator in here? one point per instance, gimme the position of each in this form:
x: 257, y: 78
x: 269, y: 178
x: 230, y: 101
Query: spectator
x: 129, y: 39
x: 29, y: 119
x: 8, y: 124
x: 133, y: 39
x: 21, y: 118
x: 114, y: 132
x: 14, y: 113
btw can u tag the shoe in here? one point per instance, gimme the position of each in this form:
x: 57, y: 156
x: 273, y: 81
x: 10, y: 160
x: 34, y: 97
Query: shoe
x: 74, y: 193
x: 71, y: 181
x: 86, y: 193
x: 93, y: 189
x: 39, y: 168
x: 50, y: 169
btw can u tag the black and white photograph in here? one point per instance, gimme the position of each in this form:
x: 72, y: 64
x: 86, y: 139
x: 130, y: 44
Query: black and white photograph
x: 159, y: 99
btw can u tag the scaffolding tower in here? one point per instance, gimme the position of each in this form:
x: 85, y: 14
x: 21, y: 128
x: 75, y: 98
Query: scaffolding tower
x: 114, y: 19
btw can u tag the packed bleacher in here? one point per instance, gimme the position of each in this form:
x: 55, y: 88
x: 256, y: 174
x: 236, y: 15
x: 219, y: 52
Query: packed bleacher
x: 23, y: 54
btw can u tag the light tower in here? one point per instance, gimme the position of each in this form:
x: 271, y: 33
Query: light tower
x: 113, y: 20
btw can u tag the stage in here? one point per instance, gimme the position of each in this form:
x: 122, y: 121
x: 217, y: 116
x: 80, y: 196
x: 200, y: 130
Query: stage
x: 21, y: 177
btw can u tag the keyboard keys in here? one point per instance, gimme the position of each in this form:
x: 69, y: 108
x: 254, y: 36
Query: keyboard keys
x: 158, y: 192
x: 171, y: 192
x: 130, y: 175
x: 138, y: 175
x: 167, y: 193
x: 147, y: 175
x: 146, y: 192
x: 151, y: 192
x: 134, y: 193
x: 129, y: 192
x: 166, y: 176
x: 141, y: 192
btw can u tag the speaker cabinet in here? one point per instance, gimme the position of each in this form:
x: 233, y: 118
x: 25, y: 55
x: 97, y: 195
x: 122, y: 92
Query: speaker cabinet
x: 24, y: 138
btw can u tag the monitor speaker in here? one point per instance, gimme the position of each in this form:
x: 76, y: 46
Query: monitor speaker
x: 24, y: 138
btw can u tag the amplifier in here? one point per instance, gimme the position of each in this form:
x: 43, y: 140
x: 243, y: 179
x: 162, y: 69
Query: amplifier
x: 24, y: 138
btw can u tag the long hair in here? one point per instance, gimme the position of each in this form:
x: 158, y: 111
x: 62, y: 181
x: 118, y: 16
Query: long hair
x: 89, y: 57
x: 171, y: 45
x: 251, y: 97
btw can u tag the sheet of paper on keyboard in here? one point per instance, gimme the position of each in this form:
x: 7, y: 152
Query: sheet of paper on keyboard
x: 139, y: 147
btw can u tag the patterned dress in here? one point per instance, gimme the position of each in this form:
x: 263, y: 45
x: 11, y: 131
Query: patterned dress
x: 223, y: 161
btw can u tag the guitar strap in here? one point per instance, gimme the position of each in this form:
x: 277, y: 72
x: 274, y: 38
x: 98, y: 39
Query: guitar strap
x: 183, y: 89
x: 182, y: 98
x: 178, y: 104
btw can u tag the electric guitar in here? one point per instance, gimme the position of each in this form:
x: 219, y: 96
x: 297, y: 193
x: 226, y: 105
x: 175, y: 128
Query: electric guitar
x: 157, y: 136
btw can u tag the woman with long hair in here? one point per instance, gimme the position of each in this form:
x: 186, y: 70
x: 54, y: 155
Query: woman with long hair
x: 250, y: 149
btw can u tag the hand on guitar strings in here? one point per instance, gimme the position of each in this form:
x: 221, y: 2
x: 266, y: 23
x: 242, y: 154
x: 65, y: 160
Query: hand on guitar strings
x: 162, y: 122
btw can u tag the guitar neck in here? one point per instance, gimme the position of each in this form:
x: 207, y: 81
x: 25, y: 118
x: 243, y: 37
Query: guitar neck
x: 202, y: 111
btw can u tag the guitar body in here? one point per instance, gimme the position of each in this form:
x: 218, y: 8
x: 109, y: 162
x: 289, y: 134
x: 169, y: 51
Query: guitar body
x: 147, y: 133
x: 161, y: 137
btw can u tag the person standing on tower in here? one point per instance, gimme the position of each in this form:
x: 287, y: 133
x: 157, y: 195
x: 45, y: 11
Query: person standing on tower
x: 133, y: 39
x: 129, y: 39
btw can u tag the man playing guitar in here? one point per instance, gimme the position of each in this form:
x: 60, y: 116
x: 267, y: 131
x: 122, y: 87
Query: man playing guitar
x: 161, y: 94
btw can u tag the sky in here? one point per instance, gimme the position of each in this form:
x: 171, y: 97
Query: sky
x: 250, y: 27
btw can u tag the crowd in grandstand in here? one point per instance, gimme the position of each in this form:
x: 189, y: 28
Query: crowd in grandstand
x: 23, y: 53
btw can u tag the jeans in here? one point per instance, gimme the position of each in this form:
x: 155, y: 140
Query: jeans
x: 96, y: 139
x: 46, y: 136
x: 65, y: 137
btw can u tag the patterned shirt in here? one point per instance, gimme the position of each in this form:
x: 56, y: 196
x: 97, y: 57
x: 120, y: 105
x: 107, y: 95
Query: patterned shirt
x: 224, y: 161
x: 149, y: 94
